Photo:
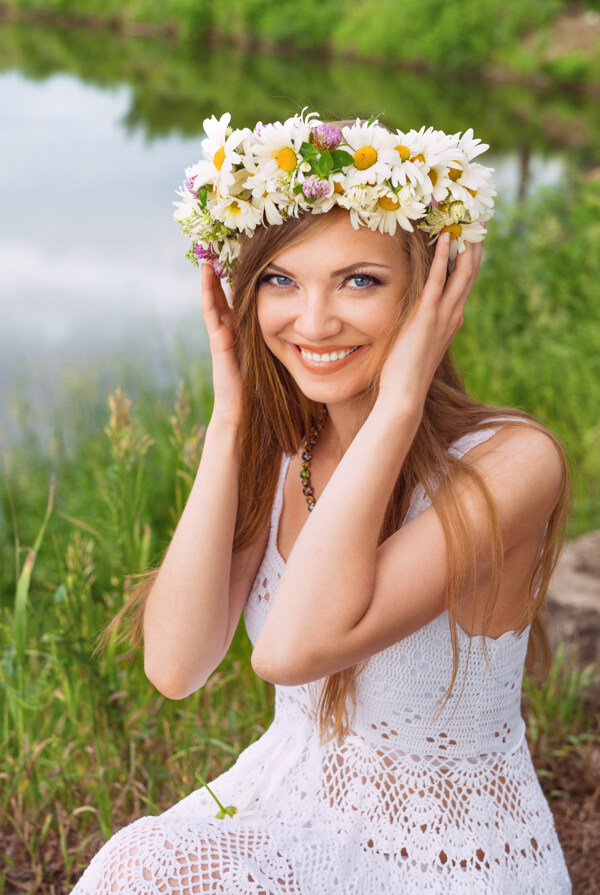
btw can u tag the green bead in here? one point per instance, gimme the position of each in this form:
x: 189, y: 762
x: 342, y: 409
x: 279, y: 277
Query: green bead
x: 304, y: 474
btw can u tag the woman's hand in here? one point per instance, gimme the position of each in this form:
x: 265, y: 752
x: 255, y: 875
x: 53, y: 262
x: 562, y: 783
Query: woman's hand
x: 222, y: 331
x: 417, y: 352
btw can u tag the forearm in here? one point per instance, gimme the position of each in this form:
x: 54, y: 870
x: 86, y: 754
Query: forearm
x: 186, y: 614
x: 328, y: 580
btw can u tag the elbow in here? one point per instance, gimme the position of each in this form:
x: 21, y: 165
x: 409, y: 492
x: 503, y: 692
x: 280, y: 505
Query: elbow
x: 284, y: 668
x: 172, y: 682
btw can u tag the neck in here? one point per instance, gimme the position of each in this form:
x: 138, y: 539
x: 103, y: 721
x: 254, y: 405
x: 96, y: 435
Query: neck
x: 343, y: 422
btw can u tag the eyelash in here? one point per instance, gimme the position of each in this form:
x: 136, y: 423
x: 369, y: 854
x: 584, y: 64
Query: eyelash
x: 375, y: 281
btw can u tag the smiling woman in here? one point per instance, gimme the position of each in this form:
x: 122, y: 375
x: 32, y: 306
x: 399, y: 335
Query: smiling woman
x: 336, y: 312
x: 388, y: 538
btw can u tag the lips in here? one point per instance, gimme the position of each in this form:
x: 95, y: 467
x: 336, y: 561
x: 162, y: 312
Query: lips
x: 326, y: 366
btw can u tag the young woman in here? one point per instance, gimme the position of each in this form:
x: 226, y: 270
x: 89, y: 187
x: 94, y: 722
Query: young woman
x: 389, y: 539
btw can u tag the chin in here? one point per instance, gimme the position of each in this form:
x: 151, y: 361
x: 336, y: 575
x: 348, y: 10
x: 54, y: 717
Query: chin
x: 332, y: 393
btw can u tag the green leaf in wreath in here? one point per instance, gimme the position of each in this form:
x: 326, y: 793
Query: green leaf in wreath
x: 326, y: 162
x: 341, y: 159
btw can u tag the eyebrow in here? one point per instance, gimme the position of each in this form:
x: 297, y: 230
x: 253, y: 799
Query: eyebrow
x: 335, y: 273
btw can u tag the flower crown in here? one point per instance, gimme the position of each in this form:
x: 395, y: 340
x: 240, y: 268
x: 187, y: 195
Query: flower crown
x: 384, y: 179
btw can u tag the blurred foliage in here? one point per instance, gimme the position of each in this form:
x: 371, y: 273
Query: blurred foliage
x: 532, y: 332
x: 434, y: 33
x: 442, y: 34
x: 174, y: 87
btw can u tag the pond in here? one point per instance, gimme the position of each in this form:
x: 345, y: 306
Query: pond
x: 97, y: 131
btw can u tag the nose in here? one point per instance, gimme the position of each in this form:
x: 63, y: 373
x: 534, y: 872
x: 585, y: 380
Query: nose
x: 317, y: 319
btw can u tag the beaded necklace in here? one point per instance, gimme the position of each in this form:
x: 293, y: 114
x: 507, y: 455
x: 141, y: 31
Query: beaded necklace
x: 313, y: 437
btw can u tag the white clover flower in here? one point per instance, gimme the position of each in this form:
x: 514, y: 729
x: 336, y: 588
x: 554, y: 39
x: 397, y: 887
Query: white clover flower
x: 360, y: 201
x: 374, y: 153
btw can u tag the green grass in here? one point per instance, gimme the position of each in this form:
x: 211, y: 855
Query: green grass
x: 87, y: 743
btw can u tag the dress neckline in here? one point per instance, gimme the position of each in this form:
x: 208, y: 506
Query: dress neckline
x: 440, y: 620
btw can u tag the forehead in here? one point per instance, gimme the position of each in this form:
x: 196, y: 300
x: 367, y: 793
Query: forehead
x: 336, y: 244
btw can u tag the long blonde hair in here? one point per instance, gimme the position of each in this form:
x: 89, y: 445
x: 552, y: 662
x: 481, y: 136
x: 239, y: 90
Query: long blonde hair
x: 277, y: 416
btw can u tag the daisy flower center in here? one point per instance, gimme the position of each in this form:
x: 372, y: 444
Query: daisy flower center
x: 337, y: 187
x: 433, y: 177
x: 389, y: 203
x: 469, y: 190
x: 219, y: 158
x: 286, y: 158
x: 454, y: 230
x: 403, y: 152
x: 365, y: 157
x: 454, y: 173
x: 418, y: 158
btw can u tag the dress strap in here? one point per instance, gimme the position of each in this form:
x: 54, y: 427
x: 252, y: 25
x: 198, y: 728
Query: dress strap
x: 278, y: 500
x: 463, y: 445
x: 419, y: 500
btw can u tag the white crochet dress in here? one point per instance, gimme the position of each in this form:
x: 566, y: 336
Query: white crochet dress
x: 409, y: 804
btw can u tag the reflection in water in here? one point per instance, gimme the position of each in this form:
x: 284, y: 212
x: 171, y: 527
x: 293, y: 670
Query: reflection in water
x: 98, y: 130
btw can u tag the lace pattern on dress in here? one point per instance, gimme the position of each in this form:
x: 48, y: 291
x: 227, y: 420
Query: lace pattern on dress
x: 408, y: 803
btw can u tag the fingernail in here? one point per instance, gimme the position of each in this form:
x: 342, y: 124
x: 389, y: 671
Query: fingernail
x: 446, y: 237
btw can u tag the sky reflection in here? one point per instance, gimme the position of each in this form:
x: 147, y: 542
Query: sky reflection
x: 90, y: 259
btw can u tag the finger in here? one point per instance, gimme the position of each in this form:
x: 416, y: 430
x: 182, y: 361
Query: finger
x: 475, y: 251
x: 458, y: 305
x: 438, y: 271
x: 220, y: 296
x: 462, y: 277
x: 210, y: 300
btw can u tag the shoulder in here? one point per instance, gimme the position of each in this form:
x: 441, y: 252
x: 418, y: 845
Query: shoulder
x: 522, y: 463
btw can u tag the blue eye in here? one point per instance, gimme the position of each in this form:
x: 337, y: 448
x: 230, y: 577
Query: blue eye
x: 277, y: 280
x: 362, y: 280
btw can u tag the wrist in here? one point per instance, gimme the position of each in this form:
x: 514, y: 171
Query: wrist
x: 225, y: 427
x: 403, y: 411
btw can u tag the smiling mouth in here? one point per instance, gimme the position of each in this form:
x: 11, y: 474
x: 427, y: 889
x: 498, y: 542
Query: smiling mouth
x: 326, y: 361
x: 327, y: 357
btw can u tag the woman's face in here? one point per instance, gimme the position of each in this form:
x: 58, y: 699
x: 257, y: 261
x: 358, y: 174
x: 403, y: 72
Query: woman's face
x: 326, y: 306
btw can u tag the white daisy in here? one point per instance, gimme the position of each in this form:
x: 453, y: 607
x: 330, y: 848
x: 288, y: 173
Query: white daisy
x: 374, y: 152
x: 434, y: 152
x: 474, y: 187
x: 219, y: 150
x: 395, y: 208
x: 264, y: 192
x: 461, y: 233
x: 276, y: 146
x: 237, y: 213
x: 405, y: 170
x: 470, y: 147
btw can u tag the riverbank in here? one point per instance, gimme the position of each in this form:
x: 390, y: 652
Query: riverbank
x: 557, y: 47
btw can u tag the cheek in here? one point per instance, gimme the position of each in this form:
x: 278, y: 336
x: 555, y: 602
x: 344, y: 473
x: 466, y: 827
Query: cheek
x: 268, y: 314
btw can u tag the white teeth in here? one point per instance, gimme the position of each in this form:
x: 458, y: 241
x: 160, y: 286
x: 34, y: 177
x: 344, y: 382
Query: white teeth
x: 327, y: 357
